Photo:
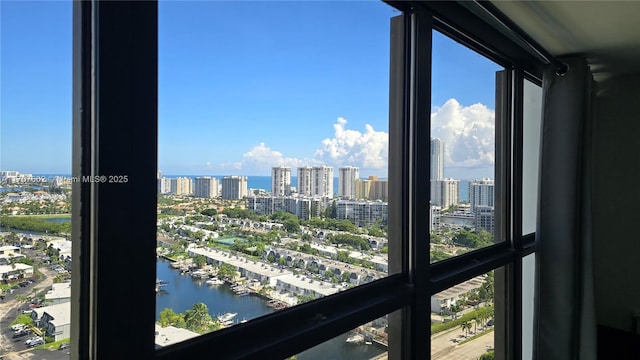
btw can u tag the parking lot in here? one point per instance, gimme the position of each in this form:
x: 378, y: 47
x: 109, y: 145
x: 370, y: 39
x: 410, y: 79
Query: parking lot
x: 13, y: 304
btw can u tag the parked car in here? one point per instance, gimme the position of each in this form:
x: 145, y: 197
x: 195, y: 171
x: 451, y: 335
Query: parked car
x: 21, y: 332
x: 36, y: 342
x: 17, y: 327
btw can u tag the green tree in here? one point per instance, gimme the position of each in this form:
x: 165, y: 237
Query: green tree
x: 343, y: 256
x: 200, y: 261
x: 305, y: 298
x: 169, y: 318
x: 307, y: 249
x: 292, y: 225
x: 209, y: 212
x: 198, y: 319
x: 487, y: 356
x: 226, y: 271
x: 466, y: 326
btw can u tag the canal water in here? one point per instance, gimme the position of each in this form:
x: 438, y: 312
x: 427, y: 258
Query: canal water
x: 182, y: 292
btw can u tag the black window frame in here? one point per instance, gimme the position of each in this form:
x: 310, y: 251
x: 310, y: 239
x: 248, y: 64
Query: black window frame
x: 114, y: 224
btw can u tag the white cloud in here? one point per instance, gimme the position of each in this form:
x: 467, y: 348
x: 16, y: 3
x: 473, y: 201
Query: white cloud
x: 468, y: 133
x: 368, y: 150
x: 261, y: 158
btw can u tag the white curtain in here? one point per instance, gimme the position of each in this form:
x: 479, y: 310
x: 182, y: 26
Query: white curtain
x: 564, y: 310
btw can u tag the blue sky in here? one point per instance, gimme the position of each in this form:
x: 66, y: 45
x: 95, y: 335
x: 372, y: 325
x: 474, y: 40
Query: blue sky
x: 244, y: 86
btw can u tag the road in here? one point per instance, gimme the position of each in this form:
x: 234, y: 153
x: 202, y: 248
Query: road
x: 445, y: 345
x: 10, y: 308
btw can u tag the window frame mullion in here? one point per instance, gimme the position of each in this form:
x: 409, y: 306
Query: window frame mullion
x: 420, y: 49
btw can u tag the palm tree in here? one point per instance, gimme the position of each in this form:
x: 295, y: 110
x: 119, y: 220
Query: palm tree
x: 480, y: 317
x: 197, y: 318
x: 465, y: 327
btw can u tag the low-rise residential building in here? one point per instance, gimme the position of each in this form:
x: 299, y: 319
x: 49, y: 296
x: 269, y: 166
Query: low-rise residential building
x: 59, y: 293
x: 170, y: 335
x: 9, y: 250
x: 63, y: 249
x: 305, y: 286
x: 443, y: 300
x: 250, y: 269
x: 15, y: 271
x: 56, y: 319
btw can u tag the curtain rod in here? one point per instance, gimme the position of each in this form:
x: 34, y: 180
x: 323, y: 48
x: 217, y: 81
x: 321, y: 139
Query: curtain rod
x: 514, y: 31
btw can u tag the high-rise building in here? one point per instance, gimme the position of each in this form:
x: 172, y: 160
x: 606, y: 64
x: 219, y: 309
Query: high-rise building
x: 485, y: 219
x: 362, y: 212
x: 205, y: 187
x: 437, y: 171
x: 347, y: 176
x: 304, y: 181
x: 234, y: 187
x: 445, y: 192
x: 481, y: 193
x: 181, y: 186
x: 322, y: 181
x: 437, y: 159
x: 280, y: 181
x: 371, y: 189
x: 164, y: 185
x: 449, y: 192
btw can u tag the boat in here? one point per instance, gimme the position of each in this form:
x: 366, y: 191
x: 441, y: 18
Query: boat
x: 240, y: 290
x: 368, y: 342
x: 214, y: 281
x: 199, y: 274
x: 160, y: 283
x: 355, y: 339
x: 226, y: 317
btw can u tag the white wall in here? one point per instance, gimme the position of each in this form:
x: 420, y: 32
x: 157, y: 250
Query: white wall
x: 616, y: 233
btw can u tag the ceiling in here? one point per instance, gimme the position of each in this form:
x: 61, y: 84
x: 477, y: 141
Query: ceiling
x: 606, y: 32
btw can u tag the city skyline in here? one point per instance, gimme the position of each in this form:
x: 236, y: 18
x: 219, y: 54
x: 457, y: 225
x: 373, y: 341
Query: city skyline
x: 313, y: 97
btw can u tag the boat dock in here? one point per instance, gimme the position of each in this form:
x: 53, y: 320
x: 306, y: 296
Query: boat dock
x: 277, y: 304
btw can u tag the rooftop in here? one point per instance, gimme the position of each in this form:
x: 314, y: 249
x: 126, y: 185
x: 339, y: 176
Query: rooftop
x: 169, y: 335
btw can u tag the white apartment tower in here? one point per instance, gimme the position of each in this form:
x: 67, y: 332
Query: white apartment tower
x: 205, y: 187
x: 346, y: 181
x: 449, y: 192
x: 322, y: 181
x: 234, y: 187
x: 436, y: 174
x: 481, y: 193
x: 181, y: 186
x: 437, y: 159
x: 304, y: 181
x: 164, y: 185
x: 280, y: 181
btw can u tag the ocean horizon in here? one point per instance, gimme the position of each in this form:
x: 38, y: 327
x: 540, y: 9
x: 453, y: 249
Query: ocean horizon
x: 264, y: 182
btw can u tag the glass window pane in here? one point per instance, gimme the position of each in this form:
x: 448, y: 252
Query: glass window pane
x: 35, y: 177
x: 366, y: 342
x: 462, y: 319
x: 528, y: 288
x: 273, y: 151
x: 532, y: 121
x: 463, y: 150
